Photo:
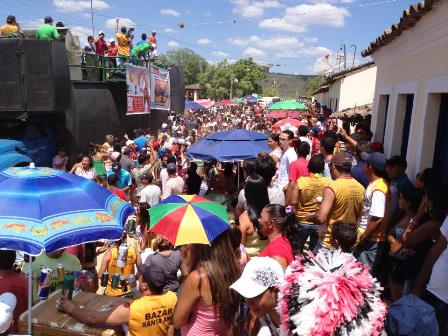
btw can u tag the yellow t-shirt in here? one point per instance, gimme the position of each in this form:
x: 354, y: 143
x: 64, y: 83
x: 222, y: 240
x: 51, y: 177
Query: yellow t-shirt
x: 347, y: 206
x: 310, y: 187
x: 112, y: 268
x: 7, y: 29
x: 152, y: 314
x: 123, y: 45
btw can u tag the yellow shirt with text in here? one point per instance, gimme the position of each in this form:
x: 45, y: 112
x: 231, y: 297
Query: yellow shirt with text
x: 152, y: 314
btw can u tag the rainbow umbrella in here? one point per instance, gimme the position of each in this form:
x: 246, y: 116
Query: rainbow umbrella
x: 188, y: 219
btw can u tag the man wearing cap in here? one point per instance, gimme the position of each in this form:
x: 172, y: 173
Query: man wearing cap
x: 112, y: 49
x: 342, y: 199
x: 372, y: 228
x: 152, y: 39
x: 100, y: 44
x: 259, y: 285
x: 175, y: 184
x: 47, y: 31
x: 11, y: 26
x: 126, y: 161
x: 149, y: 315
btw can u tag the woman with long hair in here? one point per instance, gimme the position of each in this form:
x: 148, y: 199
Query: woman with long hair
x: 284, y: 235
x: 257, y: 197
x: 206, y: 306
x: 274, y: 145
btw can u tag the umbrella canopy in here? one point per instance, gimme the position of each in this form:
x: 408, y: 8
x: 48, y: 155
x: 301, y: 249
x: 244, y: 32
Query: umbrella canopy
x: 232, y: 145
x: 238, y: 100
x: 227, y: 102
x: 191, y: 105
x: 47, y: 209
x: 205, y: 102
x: 285, y: 123
x: 287, y: 105
x: 282, y: 114
x: 188, y: 219
x: 250, y: 99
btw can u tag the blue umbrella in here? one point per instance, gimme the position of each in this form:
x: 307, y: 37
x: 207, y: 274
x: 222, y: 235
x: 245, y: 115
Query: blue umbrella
x: 47, y: 209
x: 232, y: 145
x: 191, y: 105
x: 250, y: 99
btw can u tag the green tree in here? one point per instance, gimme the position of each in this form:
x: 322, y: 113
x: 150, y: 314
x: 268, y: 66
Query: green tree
x: 192, y: 64
x: 313, y: 84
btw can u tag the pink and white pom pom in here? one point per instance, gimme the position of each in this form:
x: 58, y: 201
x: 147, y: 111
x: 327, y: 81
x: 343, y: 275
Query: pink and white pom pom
x: 330, y: 294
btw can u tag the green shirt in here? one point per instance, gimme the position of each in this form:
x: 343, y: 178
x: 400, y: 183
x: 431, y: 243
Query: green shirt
x: 140, y: 49
x: 47, y: 32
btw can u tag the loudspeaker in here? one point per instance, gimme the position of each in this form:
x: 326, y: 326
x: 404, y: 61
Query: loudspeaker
x: 177, y: 89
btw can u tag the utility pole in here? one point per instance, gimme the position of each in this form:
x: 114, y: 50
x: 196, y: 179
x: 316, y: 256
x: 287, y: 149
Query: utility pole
x: 91, y: 12
x: 345, y: 56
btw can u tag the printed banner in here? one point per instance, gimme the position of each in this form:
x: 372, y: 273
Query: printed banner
x: 138, y: 81
x: 160, y: 88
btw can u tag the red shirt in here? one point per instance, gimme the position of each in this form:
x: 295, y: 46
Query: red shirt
x: 119, y: 193
x: 101, y: 46
x: 112, y: 51
x: 298, y: 169
x: 279, y: 247
x: 16, y: 284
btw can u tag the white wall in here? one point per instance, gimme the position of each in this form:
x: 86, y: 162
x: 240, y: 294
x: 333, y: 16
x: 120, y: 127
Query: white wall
x: 358, y: 88
x: 414, y: 63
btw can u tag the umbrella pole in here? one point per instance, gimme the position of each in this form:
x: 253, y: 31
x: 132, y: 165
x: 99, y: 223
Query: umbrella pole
x: 30, y: 293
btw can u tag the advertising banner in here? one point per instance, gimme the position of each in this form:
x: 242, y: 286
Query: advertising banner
x: 160, y: 88
x: 138, y: 81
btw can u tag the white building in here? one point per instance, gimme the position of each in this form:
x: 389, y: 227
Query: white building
x: 410, y: 112
x: 349, y: 88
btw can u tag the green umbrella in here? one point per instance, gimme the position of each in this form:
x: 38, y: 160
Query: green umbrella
x: 287, y: 105
x: 238, y: 100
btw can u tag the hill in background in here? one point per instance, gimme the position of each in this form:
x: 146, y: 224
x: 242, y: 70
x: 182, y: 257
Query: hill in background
x: 285, y: 85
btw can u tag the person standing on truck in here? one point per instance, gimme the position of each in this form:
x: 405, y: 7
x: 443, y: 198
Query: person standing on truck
x: 123, y: 43
x: 101, y: 44
x: 47, y: 31
x: 11, y: 26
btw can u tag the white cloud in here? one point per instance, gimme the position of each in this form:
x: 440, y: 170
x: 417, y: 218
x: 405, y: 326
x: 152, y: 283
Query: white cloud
x: 86, y: 15
x: 273, y: 42
x: 173, y: 45
x: 82, y: 33
x: 203, y: 41
x: 169, y: 11
x: 219, y: 53
x: 127, y: 22
x: 32, y: 24
x: 241, y: 41
x: 252, y: 8
x: 78, y: 6
x: 168, y: 30
x: 311, y: 39
x: 253, y: 52
x: 207, y: 13
x: 303, y: 51
x: 299, y: 18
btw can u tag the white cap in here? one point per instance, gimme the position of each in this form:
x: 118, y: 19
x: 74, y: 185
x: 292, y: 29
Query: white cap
x: 259, y: 274
x: 101, y: 32
x: 129, y: 142
x: 111, y: 40
x: 8, y: 302
x: 164, y: 125
x: 181, y: 142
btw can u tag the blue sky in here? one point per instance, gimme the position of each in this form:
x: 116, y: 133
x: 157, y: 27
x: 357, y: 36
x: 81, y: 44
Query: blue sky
x: 289, y: 33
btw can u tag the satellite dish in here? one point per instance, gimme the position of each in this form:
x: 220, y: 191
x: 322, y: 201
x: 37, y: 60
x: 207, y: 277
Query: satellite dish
x: 328, y: 64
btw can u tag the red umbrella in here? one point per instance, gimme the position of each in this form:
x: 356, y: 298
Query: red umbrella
x: 226, y: 102
x: 287, y: 122
x: 277, y: 114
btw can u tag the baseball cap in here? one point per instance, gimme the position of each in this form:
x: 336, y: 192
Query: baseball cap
x: 154, y: 276
x: 375, y: 159
x: 164, y: 125
x: 111, y: 40
x: 259, y: 274
x: 171, y: 167
x: 341, y: 159
x: 48, y: 19
x: 153, y: 31
x: 377, y: 146
x: 101, y: 32
x: 8, y: 302
x: 114, y: 156
x: 129, y: 142
x: 397, y: 160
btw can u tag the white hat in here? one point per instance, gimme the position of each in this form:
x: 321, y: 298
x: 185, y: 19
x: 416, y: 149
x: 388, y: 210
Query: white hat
x: 181, y: 142
x: 111, y: 40
x: 8, y: 302
x: 101, y: 32
x: 164, y: 125
x: 114, y: 156
x: 129, y: 142
x: 259, y: 274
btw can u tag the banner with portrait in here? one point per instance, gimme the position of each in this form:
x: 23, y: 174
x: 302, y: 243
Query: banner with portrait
x: 160, y: 88
x: 138, y: 82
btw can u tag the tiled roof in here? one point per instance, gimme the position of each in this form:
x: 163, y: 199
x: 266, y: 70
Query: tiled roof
x: 408, y: 20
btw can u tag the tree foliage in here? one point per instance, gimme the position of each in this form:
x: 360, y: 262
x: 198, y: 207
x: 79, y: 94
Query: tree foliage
x: 313, y: 84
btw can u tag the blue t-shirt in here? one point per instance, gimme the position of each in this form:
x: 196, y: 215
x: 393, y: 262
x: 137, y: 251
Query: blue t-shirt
x: 124, y: 178
x: 141, y: 42
x: 140, y: 142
